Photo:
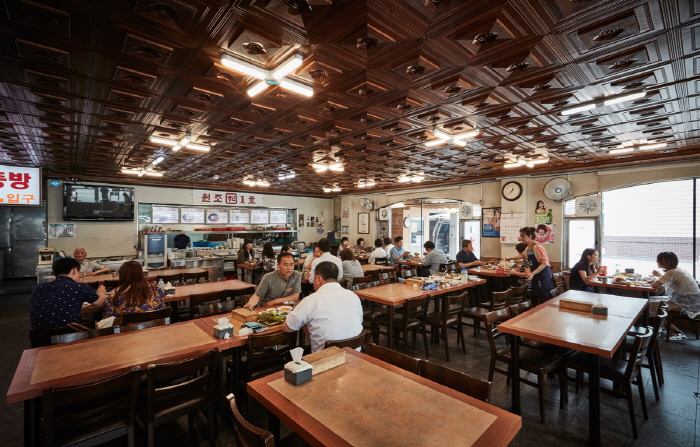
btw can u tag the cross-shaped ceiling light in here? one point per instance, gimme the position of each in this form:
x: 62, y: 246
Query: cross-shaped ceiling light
x: 269, y: 77
x: 442, y: 137
x: 185, y: 143
x: 514, y: 161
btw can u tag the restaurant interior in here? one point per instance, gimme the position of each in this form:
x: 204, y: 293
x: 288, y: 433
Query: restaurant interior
x: 289, y: 121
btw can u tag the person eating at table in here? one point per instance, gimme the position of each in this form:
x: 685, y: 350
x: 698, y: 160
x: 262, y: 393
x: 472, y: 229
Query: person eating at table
x: 522, y: 271
x: 540, y: 277
x: 433, y: 259
x: 325, y: 246
x: 360, y: 247
x: 466, y: 256
x: 387, y: 245
x: 57, y: 303
x: 309, y: 259
x: 133, y: 294
x: 584, y: 270
x: 378, y: 251
x: 682, y: 291
x: 279, y: 286
x: 331, y: 313
x: 398, y: 252
x: 351, y: 267
x: 88, y: 267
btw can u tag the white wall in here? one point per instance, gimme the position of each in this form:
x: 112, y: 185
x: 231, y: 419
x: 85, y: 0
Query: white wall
x: 102, y: 239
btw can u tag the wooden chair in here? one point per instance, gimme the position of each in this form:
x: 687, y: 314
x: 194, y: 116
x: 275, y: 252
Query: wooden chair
x: 409, y: 273
x: 412, y: 318
x: 387, y: 355
x: 499, y: 300
x: 360, y: 286
x: 174, y: 278
x: 75, y: 336
x: 622, y: 372
x: 195, y: 277
x: 450, y: 316
x: 560, y: 281
x: 677, y: 318
x: 458, y: 381
x: 391, y: 276
x: 240, y: 296
x: 344, y: 283
x: 534, y: 361
x: 517, y: 295
x: 248, y: 435
x: 200, y: 298
x: 207, y: 310
x: 358, y: 341
x: 111, y: 284
x: 380, y: 261
x: 140, y: 317
x: 91, y: 414
x: 179, y: 388
x: 553, y: 293
x: 42, y: 336
x: 361, y: 280
x: 144, y: 325
x: 451, y: 267
x: 475, y: 313
x: 653, y: 355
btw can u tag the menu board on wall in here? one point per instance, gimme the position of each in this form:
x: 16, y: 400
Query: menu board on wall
x: 239, y: 216
x: 278, y: 216
x: 166, y: 214
x: 145, y: 212
x: 192, y: 215
x: 510, y: 227
x: 217, y: 215
x: 259, y: 216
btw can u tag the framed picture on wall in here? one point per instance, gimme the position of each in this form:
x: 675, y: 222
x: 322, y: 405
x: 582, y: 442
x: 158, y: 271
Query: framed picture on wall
x: 491, y: 222
x: 363, y: 223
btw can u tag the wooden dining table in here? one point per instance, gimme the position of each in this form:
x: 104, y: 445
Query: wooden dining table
x: 366, y: 401
x: 646, y: 290
x: 597, y: 335
x: 396, y: 294
x: 151, y: 276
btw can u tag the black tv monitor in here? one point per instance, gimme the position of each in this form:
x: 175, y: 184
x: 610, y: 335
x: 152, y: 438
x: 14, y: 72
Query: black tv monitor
x: 97, y: 202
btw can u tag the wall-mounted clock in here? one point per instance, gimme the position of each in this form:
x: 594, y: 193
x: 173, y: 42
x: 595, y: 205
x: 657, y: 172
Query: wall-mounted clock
x: 512, y: 191
x: 367, y: 204
x: 407, y: 222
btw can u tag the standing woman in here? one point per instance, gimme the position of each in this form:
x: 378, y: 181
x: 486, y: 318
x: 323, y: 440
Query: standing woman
x: 245, y: 254
x: 540, y: 277
x: 133, y: 294
x: 584, y: 270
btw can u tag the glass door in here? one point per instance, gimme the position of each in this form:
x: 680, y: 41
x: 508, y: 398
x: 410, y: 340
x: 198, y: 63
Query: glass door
x: 471, y: 230
x: 580, y: 235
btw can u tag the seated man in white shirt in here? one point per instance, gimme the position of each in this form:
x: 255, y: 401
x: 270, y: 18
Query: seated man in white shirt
x: 88, y: 267
x: 378, y: 252
x: 325, y: 246
x: 331, y: 313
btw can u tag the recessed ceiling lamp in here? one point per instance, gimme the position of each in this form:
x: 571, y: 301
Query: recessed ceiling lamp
x: 270, y: 77
x: 366, y: 183
x: 515, y: 161
x: 415, y: 178
x: 630, y: 147
x: 602, y: 102
x: 323, y: 167
x: 334, y: 188
x: 252, y: 182
x: 458, y: 139
x: 287, y: 176
x: 185, y: 143
x: 141, y: 172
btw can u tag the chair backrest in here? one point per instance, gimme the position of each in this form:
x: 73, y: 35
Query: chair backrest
x: 360, y: 286
x: 491, y: 320
x: 241, y: 295
x: 382, y: 282
x: 111, y: 284
x: 262, y: 360
x: 409, y: 273
x: 96, y: 408
x: 453, y: 306
x: 75, y: 336
x: 195, y: 276
x: 94, y: 284
x: 637, y: 353
x: 499, y: 300
x: 175, y: 277
x: 450, y: 267
x: 344, y: 283
x: 42, y: 337
x: 362, y: 279
x: 248, y: 435
x: 517, y: 294
x: 391, y: 276
x: 517, y: 309
x: 553, y: 293
x: 140, y: 317
x: 458, y: 381
x: 359, y: 341
x: 398, y: 359
x: 200, y: 298
x: 207, y: 310
x: 380, y: 261
x: 415, y: 308
x: 657, y: 323
x: 560, y: 281
x: 144, y: 325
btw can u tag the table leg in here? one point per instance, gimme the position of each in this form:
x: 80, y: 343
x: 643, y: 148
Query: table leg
x: 273, y: 425
x: 594, y: 400
x: 645, y: 313
x: 390, y: 328
x: 515, y: 373
x: 32, y: 423
x: 174, y: 314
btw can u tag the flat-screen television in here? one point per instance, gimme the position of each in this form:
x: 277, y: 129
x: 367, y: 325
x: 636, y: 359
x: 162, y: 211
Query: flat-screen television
x: 97, y: 202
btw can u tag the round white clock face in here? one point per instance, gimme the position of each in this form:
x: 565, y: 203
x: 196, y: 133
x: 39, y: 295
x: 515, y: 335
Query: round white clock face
x: 465, y: 211
x: 407, y: 222
x: 512, y: 190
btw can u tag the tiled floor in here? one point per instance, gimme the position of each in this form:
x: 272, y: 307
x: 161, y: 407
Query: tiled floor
x: 673, y: 422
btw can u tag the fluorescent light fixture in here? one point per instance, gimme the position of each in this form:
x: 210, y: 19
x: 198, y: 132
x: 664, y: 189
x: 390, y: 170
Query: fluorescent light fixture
x: 623, y: 150
x: 538, y: 161
x: 319, y: 167
x: 287, y: 67
x: 262, y: 183
x: 257, y: 88
x: 198, y: 147
x: 631, y: 97
x: 460, y: 142
x: 417, y: 178
x: 158, y: 160
x: 434, y: 143
x: 327, y: 190
x: 404, y: 179
x: 578, y: 109
x: 141, y: 172
x: 176, y: 148
x: 337, y: 167
x: 249, y: 182
x: 186, y: 140
x: 165, y: 141
x: 511, y: 165
x: 652, y: 146
x: 297, y: 87
x: 243, y: 67
x: 441, y: 135
x: 336, y: 189
x: 470, y: 134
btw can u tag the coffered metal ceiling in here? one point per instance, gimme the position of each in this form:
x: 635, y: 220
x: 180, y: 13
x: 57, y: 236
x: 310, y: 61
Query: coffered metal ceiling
x: 83, y: 84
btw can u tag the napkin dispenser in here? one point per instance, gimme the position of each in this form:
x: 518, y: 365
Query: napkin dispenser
x: 169, y: 289
x: 223, y: 329
x: 599, y: 309
x: 297, y: 371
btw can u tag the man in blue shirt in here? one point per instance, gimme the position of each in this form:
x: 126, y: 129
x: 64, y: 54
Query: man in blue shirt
x: 57, y: 303
x: 397, y: 252
x: 466, y: 257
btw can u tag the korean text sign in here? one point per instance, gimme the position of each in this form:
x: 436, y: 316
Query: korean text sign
x: 206, y: 197
x: 20, y: 186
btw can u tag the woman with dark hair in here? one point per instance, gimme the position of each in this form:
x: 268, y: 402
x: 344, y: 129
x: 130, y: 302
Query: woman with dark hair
x: 245, y: 254
x: 540, y: 275
x: 584, y: 270
x: 523, y: 271
x: 133, y: 294
x: 541, y: 207
x: 360, y: 247
x: 286, y: 248
x: 351, y: 267
x: 682, y: 291
x: 268, y: 261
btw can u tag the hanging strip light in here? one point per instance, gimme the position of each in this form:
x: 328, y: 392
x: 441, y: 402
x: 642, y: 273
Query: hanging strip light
x: 602, y: 102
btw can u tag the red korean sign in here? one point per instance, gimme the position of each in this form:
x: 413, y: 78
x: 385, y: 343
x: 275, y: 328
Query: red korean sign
x: 207, y: 197
x: 20, y: 186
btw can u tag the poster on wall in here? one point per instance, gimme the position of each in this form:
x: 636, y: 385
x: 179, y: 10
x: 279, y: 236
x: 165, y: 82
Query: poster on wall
x: 346, y: 213
x: 20, y: 186
x: 239, y: 216
x: 320, y: 223
x: 217, y: 215
x: 345, y: 229
x: 61, y: 230
x: 278, y: 216
x: 363, y: 223
x: 301, y: 221
x: 166, y: 214
x: 259, y: 216
x: 491, y: 222
x: 543, y: 215
x: 545, y: 234
x: 192, y: 215
x: 510, y: 227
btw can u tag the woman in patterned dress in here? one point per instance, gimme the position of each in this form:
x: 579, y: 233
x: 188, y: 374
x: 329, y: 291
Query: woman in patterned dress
x: 133, y: 294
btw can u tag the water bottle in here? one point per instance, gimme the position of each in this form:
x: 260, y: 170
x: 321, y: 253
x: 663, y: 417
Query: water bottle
x: 617, y: 269
x: 161, y: 284
x: 465, y: 275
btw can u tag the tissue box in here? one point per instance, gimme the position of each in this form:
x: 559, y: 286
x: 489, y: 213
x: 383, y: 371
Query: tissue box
x: 221, y: 331
x: 599, y: 309
x: 296, y: 373
x: 170, y: 291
